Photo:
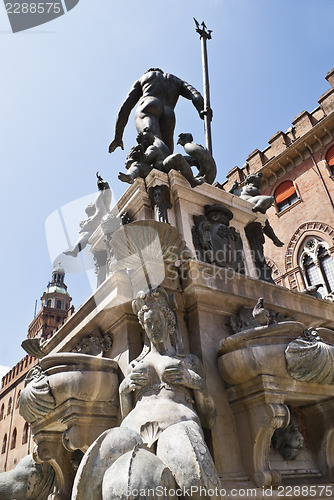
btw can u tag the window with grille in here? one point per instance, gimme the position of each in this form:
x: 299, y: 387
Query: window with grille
x: 285, y: 195
x: 317, y: 265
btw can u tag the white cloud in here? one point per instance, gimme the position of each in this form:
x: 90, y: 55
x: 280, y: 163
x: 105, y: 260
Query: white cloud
x: 3, y: 371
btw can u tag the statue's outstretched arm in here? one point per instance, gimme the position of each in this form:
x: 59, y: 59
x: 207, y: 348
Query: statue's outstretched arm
x: 123, y: 115
x: 193, y: 95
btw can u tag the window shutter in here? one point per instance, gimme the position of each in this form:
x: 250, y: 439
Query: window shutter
x: 284, y: 191
x: 330, y: 156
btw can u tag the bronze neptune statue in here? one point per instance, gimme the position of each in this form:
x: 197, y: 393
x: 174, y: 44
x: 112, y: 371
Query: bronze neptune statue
x: 156, y: 93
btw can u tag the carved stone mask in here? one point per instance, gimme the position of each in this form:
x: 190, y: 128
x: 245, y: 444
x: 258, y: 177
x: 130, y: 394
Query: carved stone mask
x: 289, y: 441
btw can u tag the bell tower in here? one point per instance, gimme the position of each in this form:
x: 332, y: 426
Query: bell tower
x: 55, y: 307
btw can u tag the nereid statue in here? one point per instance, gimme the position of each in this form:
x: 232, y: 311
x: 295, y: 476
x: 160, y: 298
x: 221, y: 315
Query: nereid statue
x: 164, y: 402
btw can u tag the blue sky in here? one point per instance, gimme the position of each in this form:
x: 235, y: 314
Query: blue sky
x: 62, y: 84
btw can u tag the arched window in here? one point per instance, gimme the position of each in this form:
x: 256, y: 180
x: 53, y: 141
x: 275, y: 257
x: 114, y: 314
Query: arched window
x: 4, y: 444
x: 285, y: 195
x: 317, y: 265
x: 17, y: 399
x: 58, y: 304
x: 13, y: 441
x: 330, y: 159
x: 2, y: 411
x: 49, y: 303
x: 25, y: 433
x: 9, y: 409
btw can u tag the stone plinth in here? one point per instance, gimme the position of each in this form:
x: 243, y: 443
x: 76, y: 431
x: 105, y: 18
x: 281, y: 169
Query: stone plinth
x: 186, y: 202
x: 260, y: 392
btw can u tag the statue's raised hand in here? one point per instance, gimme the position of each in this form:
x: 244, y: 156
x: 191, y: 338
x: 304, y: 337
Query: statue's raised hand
x: 115, y: 144
x: 135, y: 380
x: 184, y: 375
x: 175, y: 374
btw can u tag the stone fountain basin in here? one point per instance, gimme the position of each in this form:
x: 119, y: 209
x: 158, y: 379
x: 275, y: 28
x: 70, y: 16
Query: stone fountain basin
x: 258, y: 351
x: 81, y: 377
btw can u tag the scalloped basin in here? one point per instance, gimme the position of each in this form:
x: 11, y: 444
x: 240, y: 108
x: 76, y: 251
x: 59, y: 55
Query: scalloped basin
x: 80, y: 376
x: 259, y: 351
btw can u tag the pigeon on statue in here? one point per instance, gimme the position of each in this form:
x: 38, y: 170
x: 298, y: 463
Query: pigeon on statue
x: 261, y: 314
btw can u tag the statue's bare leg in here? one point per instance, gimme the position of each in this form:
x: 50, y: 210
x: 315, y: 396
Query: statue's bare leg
x: 167, y: 126
x: 105, y: 450
x: 261, y: 203
x: 80, y: 245
x: 148, y: 115
x: 183, y: 449
x: 178, y: 162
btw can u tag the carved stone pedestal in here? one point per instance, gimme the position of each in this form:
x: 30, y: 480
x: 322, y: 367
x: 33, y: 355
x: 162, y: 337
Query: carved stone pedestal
x: 260, y: 392
x: 70, y: 400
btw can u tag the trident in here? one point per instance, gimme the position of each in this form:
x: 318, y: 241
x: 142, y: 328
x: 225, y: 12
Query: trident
x: 205, y: 35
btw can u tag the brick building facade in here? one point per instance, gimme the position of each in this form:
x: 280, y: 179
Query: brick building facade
x: 298, y: 171
x: 15, y: 436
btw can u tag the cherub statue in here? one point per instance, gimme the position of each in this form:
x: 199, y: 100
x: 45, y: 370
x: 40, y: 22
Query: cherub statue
x: 251, y: 192
x: 95, y: 212
x: 164, y: 402
x: 142, y: 158
x: 146, y: 156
